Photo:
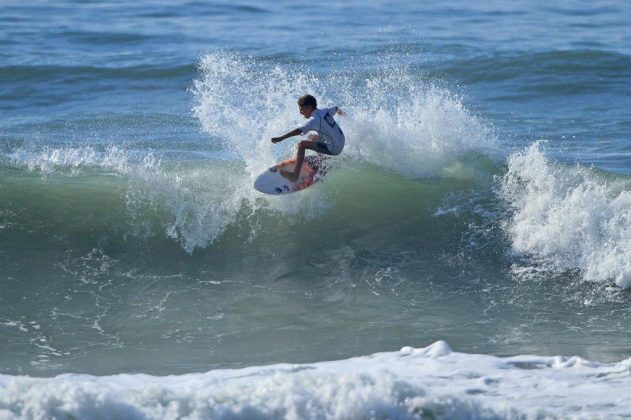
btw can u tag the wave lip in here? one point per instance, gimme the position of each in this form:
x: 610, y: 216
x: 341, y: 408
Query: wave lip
x: 412, y: 383
x: 188, y: 195
x: 49, y: 160
x: 570, y: 215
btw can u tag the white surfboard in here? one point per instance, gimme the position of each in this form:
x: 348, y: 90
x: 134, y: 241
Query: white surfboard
x: 272, y: 182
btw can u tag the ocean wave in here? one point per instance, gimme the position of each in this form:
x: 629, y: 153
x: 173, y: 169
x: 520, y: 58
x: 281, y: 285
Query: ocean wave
x: 396, y: 121
x: 195, y: 202
x: 430, y: 382
x: 403, y: 125
x: 572, y: 216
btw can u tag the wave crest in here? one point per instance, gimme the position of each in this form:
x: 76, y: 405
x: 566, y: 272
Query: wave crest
x: 570, y: 215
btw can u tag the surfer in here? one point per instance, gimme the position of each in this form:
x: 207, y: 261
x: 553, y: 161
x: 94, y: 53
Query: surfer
x: 329, y: 139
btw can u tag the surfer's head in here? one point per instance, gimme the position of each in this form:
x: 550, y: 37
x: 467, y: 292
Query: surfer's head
x: 307, y: 104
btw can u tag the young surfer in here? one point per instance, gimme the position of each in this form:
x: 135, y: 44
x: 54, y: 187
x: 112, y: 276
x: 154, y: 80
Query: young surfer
x: 329, y: 140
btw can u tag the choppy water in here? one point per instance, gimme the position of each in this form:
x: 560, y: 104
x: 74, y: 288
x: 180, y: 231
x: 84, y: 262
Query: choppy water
x: 483, y: 198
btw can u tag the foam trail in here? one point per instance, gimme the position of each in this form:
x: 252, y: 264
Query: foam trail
x: 569, y: 215
x: 432, y: 382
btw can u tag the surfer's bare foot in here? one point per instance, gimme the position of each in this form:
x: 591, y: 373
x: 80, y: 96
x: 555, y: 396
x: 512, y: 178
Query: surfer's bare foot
x: 290, y: 175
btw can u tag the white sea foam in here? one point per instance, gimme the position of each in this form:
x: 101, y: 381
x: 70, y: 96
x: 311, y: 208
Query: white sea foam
x: 571, y: 216
x: 431, y: 382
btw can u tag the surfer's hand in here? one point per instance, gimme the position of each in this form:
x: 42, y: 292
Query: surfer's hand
x: 276, y: 139
x: 340, y: 112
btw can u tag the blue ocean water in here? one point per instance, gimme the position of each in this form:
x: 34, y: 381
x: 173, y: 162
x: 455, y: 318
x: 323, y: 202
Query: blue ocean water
x: 483, y: 198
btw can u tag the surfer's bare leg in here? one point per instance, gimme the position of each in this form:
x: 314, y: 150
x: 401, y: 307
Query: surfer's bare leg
x: 300, y: 157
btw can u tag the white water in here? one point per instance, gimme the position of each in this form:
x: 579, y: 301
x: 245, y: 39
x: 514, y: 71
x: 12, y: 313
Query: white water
x: 572, y: 216
x: 411, y: 383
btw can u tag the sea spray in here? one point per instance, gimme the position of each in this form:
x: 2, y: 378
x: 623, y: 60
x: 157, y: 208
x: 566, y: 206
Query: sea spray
x: 396, y: 119
x: 403, y: 123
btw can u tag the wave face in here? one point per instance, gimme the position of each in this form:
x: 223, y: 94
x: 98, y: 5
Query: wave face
x: 431, y: 382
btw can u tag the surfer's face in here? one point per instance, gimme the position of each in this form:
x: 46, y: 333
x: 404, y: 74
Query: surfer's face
x: 305, y: 110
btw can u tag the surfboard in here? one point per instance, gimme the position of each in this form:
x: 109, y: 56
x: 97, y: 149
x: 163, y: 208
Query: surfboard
x: 272, y: 182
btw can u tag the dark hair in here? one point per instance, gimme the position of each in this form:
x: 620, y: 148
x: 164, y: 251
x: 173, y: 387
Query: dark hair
x: 308, y: 100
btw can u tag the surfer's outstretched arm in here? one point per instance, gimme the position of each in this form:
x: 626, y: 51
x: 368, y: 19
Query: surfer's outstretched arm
x: 285, y: 136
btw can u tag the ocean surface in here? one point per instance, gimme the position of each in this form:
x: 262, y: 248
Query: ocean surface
x: 467, y: 256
